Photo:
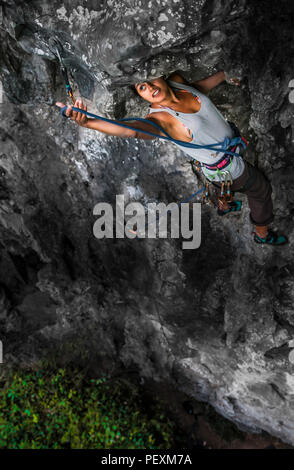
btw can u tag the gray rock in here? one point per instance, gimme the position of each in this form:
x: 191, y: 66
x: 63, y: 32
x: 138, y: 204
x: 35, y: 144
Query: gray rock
x: 217, y: 321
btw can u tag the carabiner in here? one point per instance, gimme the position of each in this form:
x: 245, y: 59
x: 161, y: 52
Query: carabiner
x: 228, y: 183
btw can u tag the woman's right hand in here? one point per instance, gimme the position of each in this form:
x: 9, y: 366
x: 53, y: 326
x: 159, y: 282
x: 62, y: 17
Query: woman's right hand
x: 79, y: 118
x: 235, y: 81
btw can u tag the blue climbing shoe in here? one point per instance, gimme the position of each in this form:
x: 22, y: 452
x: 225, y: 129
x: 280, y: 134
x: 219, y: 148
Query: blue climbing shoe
x: 271, y: 239
x: 234, y: 207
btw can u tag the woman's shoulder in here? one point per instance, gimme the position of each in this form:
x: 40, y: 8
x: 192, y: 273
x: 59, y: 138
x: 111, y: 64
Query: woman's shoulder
x: 159, y: 116
x: 161, y: 119
x: 175, y: 80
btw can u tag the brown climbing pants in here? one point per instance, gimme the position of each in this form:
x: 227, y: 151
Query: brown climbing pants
x: 258, y: 191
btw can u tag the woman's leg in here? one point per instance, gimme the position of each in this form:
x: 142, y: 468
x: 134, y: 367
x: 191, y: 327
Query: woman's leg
x: 259, y: 195
x: 258, y: 191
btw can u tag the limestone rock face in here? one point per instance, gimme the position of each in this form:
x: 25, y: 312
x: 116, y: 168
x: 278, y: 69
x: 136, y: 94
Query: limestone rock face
x: 217, y: 321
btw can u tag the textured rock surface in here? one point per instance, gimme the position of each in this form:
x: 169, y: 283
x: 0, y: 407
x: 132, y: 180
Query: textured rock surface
x: 218, y: 321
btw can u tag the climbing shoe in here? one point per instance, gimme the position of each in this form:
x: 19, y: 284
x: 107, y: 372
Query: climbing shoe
x: 234, y: 207
x: 271, y: 239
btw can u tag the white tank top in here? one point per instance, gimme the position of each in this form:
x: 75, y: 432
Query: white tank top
x: 207, y: 126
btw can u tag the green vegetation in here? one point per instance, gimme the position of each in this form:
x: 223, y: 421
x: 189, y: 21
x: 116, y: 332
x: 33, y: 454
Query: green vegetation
x: 64, y: 409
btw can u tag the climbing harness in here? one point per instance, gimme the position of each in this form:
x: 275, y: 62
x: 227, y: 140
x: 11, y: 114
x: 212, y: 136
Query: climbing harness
x: 222, y: 170
x: 226, y: 195
x: 229, y: 195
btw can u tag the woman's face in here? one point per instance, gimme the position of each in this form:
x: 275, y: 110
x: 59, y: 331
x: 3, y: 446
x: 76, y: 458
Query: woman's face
x: 155, y: 91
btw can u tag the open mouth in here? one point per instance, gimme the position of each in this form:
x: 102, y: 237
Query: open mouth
x: 155, y: 93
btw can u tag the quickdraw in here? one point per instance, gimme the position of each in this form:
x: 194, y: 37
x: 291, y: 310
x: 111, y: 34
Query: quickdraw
x: 55, y: 44
x: 226, y: 195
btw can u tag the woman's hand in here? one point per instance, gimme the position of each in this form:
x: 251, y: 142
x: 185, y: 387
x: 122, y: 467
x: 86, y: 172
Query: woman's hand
x: 235, y: 81
x: 229, y: 77
x: 79, y: 118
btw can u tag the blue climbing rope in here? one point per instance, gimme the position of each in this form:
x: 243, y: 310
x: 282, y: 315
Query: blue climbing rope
x: 192, y: 196
x: 219, y: 146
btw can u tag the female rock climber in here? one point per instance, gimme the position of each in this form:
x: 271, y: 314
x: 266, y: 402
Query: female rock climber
x: 186, y: 113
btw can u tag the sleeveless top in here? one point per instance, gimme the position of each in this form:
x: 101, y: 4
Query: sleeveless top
x: 207, y: 126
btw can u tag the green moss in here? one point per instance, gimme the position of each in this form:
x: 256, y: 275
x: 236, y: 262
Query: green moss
x: 64, y: 409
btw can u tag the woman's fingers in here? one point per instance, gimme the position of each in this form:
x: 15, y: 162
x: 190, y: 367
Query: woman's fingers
x: 77, y: 105
x: 75, y: 113
x: 85, y: 118
x: 236, y: 81
x: 69, y: 112
x: 80, y: 118
x: 62, y: 105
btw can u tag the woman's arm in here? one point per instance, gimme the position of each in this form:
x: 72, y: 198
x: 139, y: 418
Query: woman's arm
x: 107, y: 127
x: 207, y: 84
x: 211, y: 82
